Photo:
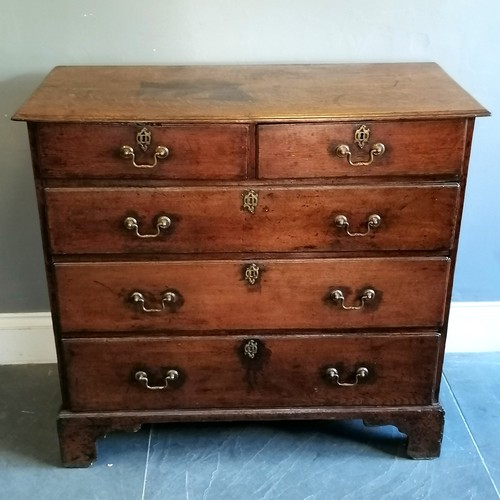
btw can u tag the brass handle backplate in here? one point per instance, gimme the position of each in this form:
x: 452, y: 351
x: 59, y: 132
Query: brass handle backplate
x: 142, y: 378
x: 338, y: 297
x: 373, y: 222
x: 162, y: 222
x: 361, y: 375
x: 168, y: 300
x: 160, y: 153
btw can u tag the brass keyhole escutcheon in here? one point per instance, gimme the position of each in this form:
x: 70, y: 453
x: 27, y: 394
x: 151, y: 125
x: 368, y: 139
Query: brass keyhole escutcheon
x: 143, y: 138
x: 361, y: 136
x: 252, y: 273
x: 251, y: 349
x: 250, y: 200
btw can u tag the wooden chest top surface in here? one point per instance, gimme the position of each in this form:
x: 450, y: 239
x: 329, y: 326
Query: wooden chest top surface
x: 264, y: 93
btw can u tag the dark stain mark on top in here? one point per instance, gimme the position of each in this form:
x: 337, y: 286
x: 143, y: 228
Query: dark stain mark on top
x: 215, y: 90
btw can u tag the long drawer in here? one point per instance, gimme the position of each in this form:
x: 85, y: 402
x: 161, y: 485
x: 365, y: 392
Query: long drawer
x: 100, y: 151
x: 335, y: 218
x: 242, y: 372
x: 409, y: 148
x: 266, y: 294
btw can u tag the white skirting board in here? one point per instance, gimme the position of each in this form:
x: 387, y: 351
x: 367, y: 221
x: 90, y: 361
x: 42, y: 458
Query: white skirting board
x: 27, y: 337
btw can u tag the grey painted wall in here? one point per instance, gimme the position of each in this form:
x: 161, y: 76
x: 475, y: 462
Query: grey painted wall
x: 462, y: 36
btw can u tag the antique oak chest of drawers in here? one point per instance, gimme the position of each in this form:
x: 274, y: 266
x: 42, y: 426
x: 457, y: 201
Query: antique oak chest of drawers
x: 253, y: 242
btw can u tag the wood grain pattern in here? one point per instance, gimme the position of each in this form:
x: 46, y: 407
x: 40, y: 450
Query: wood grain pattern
x: 93, y: 151
x: 411, y: 148
x: 211, y: 219
x: 266, y: 93
x: 214, y: 372
x: 290, y: 294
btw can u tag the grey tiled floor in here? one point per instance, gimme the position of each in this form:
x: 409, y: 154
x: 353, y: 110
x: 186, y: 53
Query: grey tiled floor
x: 245, y: 461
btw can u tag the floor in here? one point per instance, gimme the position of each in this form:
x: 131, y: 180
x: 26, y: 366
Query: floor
x: 244, y: 461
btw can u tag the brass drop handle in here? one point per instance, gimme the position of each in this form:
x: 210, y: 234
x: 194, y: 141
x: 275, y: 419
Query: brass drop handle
x: 373, y: 222
x: 142, y: 378
x: 168, y: 299
x: 338, y: 297
x: 160, y: 153
x: 162, y: 222
x: 361, y: 375
x: 343, y: 151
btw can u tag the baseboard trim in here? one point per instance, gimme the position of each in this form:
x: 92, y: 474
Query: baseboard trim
x: 27, y: 338
x: 474, y: 327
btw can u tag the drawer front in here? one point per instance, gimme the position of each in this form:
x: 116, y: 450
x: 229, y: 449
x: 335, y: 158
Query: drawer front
x: 432, y: 148
x: 236, y: 372
x: 267, y: 294
x: 284, y: 220
x: 95, y: 151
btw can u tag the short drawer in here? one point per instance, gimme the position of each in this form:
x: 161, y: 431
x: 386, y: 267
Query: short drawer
x: 200, y: 220
x: 265, y: 294
x: 261, y: 371
x: 425, y: 148
x: 100, y: 151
